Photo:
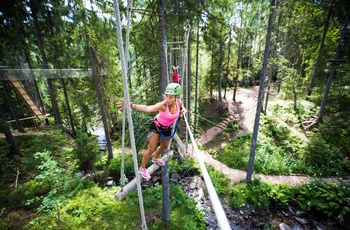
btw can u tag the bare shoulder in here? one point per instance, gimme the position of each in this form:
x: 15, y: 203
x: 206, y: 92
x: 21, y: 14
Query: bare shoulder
x: 161, y: 106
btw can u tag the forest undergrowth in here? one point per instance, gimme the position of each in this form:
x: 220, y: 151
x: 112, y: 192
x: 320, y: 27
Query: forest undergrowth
x: 42, y: 189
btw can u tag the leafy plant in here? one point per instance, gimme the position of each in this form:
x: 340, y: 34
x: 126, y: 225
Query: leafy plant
x: 322, y: 158
x: 260, y: 194
x: 236, y: 153
x: 86, y: 151
x: 330, y: 198
x: 219, y: 180
x: 232, y: 126
x: 58, y: 181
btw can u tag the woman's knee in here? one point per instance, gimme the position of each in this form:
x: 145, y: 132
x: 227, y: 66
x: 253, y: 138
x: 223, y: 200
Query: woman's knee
x: 152, y: 148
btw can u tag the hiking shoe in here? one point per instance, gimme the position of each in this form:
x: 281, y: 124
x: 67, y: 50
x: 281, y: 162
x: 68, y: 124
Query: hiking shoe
x: 143, y: 172
x: 158, y: 161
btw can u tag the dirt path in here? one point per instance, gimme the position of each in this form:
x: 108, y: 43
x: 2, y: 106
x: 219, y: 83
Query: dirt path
x: 243, y: 110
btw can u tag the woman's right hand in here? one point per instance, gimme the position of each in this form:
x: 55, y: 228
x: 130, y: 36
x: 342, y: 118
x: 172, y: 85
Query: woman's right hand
x: 120, y: 104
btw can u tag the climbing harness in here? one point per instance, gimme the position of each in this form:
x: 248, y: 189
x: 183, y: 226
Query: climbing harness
x: 174, y: 131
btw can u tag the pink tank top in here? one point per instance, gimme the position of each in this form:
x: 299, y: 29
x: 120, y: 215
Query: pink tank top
x: 166, y: 118
x: 176, y: 78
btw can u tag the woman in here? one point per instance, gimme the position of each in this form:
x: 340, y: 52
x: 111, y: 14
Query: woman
x: 173, y: 71
x: 168, y: 112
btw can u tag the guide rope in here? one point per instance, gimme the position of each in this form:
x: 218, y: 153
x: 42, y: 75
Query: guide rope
x: 128, y: 110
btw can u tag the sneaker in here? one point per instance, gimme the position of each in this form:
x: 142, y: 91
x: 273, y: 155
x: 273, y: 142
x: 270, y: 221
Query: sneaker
x: 143, y: 172
x: 158, y: 161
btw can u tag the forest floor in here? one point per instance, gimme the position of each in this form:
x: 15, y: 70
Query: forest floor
x: 243, y: 110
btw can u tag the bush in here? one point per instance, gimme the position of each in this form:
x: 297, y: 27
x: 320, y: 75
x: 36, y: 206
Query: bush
x: 87, y: 150
x: 95, y: 208
x: 260, y: 194
x: 219, y: 180
x: 336, y: 131
x: 236, y: 153
x: 330, y: 198
x: 322, y: 159
x: 116, y: 163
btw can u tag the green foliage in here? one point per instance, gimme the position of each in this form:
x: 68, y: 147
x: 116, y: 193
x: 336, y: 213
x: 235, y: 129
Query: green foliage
x: 282, y: 159
x: 335, y: 129
x: 236, y: 153
x: 330, y: 198
x: 219, y: 180
x: 232, y: 126
x: 274, y: 129
x: 323, y: 159
x: 184, y: 214
x: 59, y: 181
x: 14, y: 199
x: 87, y: 149
x: 284, y: 109
x: 51, y: 139
x: 95, y: 208
x: 205, y: 120
x: 260, y: 194
x: 116, y: 163
x: 188, y: 165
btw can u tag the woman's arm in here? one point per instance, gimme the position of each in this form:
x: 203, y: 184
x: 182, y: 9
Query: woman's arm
x: 160, y: 106
x: 183, y: 110
x: 143, y: 108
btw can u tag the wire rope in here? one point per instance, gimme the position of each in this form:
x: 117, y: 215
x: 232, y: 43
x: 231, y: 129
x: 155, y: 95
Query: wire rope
x: 128, y: 110
x: 215, y: 201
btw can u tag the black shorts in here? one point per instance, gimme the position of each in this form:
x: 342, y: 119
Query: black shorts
x: 165, y: 132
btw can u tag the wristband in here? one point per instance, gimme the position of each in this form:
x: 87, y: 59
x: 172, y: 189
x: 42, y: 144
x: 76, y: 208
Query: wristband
x: 134, y: 107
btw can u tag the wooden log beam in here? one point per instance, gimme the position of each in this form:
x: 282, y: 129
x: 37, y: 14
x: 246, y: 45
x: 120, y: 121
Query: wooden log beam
x: 182, y: 147
x: 119, y: 195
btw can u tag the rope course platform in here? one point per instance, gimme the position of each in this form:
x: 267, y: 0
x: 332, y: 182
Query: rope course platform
x: 42, y: 74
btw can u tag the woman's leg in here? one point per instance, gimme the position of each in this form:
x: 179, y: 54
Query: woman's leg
x: 152, y: 144
x: 163, y: 145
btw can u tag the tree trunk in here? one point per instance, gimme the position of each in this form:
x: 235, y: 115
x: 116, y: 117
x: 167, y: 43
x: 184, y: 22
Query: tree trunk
x: 334, y: 66
x: 162, y: 45
x: 320, y: 51
x: 68, y: 107
x: 220, y: 77
x: 52, y: 89
x: 12, y: 107
x: 267, y: 98
x: 4, y: 128
x: 261, y: 94
x: 196, y: 92
x: 162, y: 5
x: 99, y: 97
x: 228, y: 62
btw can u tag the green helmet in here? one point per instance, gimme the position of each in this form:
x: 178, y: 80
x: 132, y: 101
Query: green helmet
x: 174, y: 89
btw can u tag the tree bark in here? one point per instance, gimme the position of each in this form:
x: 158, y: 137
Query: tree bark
x: 12, y: 107
x: 99, y: 97
x: 334, y: 66
x: 162, y: 6
x: 196, y: 91
x: 261, y: 94
x: 68, y: 107
x: 52, y: 89
x: 4, y: 128
x: 220, y: 76
x: 320, y: 51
